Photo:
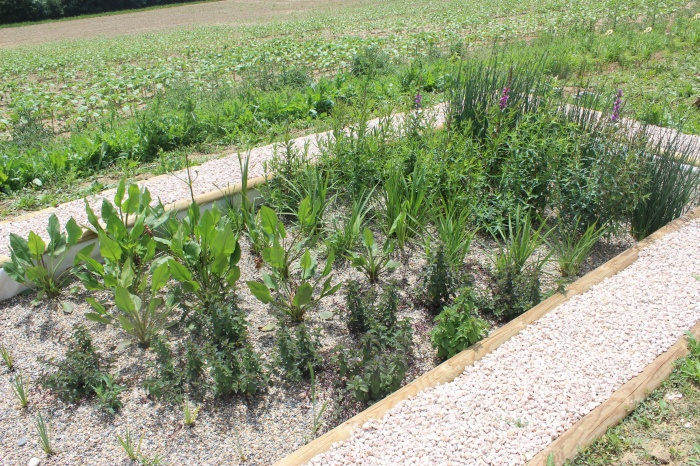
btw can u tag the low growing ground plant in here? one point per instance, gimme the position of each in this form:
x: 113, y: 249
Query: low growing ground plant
x: 81, y: 370
x: 457, y: 327
x: 19, y: 388
x: 298, y: 352
x: 439, y: 281
x: 36, y: 264
x: 44, y: 431
x: 7, y: 358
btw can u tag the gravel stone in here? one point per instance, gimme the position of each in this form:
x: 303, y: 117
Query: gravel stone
x: 22, y: 442
x: 512, y: 403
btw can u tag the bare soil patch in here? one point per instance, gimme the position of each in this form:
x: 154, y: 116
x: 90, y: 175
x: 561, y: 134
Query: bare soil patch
x: 223, y: 13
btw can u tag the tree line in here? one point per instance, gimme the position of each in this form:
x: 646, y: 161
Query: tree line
x: 16, y: 11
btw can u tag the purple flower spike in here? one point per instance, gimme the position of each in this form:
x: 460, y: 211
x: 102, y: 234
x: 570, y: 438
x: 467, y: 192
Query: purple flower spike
x: 419, y: 101
x: 616, y: 107
x: 503, y: 103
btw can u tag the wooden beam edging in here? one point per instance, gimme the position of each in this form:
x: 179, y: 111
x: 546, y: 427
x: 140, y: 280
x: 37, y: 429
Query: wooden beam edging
x: 622, y: 402
x: 453, y: 367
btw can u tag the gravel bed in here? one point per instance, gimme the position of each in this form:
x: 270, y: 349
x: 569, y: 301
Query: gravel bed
x: 210, y: 176
x: 512, y: 403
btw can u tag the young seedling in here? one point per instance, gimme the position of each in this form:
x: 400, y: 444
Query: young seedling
x: 20, y: 390
x: 374, y: 262
x: 190, y: 414
x: 7, y: 358
x: 316, y: 417
x: 44, y: 432
x: 128, y: 443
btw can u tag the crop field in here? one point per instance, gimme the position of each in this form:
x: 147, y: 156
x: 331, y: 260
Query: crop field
x: 73, y: 110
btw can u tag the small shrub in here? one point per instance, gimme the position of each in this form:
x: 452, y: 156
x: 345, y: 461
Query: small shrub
x: 298, y: 352
x: 176, y: 370
x: 457, y: 328
x: 381, y: 364
x: 371, y: 61
x: 237, y: 371
x: 514, y: 291
x: 438, y: 282
x: 359, y: 305
x: 80, y: 372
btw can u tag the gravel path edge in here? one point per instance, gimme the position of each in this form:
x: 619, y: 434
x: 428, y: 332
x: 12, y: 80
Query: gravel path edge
x: 454, y: 367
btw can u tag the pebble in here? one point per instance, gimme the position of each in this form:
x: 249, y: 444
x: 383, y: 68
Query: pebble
x: 22, y: 442
x: 34, y: 462
x: 568, y: 362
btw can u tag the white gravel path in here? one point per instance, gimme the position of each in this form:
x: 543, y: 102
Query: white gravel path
x: 512, y: 403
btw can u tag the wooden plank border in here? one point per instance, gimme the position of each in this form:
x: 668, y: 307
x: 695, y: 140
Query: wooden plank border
x: 622, y: 402
x: 452, y: 368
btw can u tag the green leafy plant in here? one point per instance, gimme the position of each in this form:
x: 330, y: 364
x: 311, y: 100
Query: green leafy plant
x: 177, y: 370
x: 298, y: 352
x: 7, y: 358
x: 571, y: 247
x: 366, y: 309
x: 36, y: 264
x: 374, y: 262
x: 126, y: 240
x: 44, y: 431
x: 207, y: 246
x: 293, y: 296
x: 344, y: 238
x: 381, y: 364
x: 237, y: 371
x: 521, y: 241
x: 457, y: 328
x: 19, y: 388
x: 142, y: 321
x: 80, y: 371
x: 405, y: 203
x: 107, y: 393
x: 454, y: 232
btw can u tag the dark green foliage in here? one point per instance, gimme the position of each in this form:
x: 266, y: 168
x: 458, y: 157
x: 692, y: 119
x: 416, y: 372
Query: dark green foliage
x: 13, y: 11
x: 457, y: 327
x: 438, y: 282
x: 36, y: 264
x: 80, y: 371
x: 379, y: 367
x: 237, y: 371
x: 365, y: 311
x: 177, y: 370
x: 204, y: 243
x: 227, y: 324
x: 298, y: 351
x: 514, y: 291
x: 358, y: 306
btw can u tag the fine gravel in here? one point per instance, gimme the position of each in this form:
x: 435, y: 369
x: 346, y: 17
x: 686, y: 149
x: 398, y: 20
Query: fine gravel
x: 512, y: 403
x: 213, y: 175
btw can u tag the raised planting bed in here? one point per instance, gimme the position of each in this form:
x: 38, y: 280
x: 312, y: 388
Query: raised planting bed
x: 382, y: 251
x: 514, y: 399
